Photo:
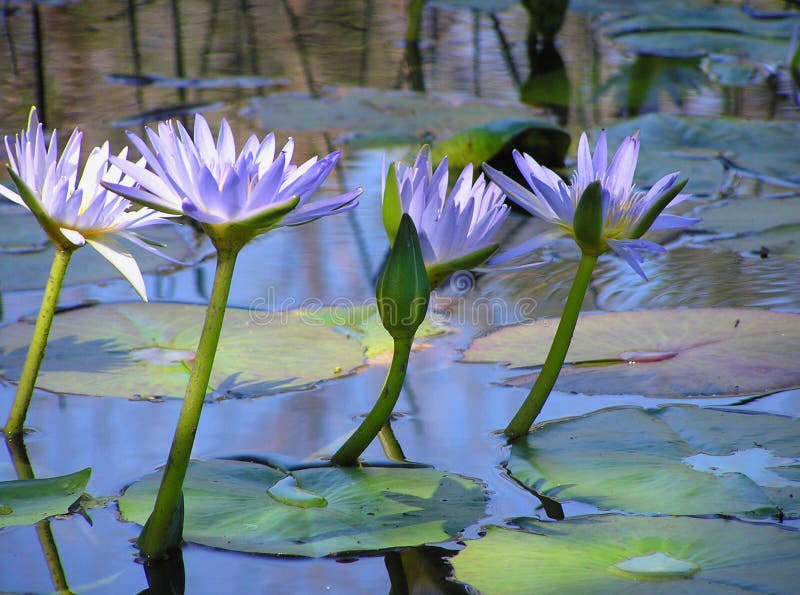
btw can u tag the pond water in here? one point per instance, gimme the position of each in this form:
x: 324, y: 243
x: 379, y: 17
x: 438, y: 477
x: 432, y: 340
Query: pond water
x: 107, y: 66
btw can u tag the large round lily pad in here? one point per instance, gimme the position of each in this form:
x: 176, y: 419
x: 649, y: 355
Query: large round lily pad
x: 388, y: 115
x: 677, y: 460
x: 706, y: 149
x: 28, y: 501
x: 660, y: 353
x: 245, y: 507
x: 26, y: 254
x: 616, y: 554
x: 137, y: 349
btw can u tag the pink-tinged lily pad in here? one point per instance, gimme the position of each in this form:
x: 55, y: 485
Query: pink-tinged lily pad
x: 660, y: 353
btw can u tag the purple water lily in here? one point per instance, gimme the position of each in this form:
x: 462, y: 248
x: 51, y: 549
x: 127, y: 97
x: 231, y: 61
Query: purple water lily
x: 456, y: 230
x: 625, y: 210
x: 77, y: 211
x: 207, y: 181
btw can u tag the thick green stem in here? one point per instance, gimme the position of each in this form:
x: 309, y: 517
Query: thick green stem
x: 27, y: 381
x: 162, y: 530
x: 358, y: 441
x: 535, y: 400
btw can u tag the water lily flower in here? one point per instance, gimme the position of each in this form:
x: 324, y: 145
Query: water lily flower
x: 234, y: 197
x: 602, y: 210
x: 246, y: 194
x: 456, y: 230
x: 74, y: 211
x: 77, y: 211
x: 626, y: 212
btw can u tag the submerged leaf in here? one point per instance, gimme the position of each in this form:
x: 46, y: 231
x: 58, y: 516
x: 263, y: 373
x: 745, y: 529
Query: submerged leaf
x: 660, y: 353
x: 367, y: 508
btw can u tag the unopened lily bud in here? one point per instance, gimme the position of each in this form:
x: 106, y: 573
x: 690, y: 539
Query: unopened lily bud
x: 588, y: 220
x: 403, y: 289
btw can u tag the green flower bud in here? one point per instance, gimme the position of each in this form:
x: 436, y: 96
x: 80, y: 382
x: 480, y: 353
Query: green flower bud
x: 403, y: 289
x: 588, y: 221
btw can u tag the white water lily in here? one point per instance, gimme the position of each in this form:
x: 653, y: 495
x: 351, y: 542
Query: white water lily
x: 627, y: 213
x: 77, y: 211
x: 456, y: 230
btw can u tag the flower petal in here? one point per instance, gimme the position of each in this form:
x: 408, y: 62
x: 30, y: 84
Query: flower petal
x: 122, y: 260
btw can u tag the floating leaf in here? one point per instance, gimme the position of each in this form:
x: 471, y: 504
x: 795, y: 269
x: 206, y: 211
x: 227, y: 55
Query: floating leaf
x: 703, y: 30
x: 704, y: 149
x: 364, y: 323
x: 26, y: 254
x: 660, y: 353
x: 741, y: 215
x: 616, y: 554
x: 141, y: 349
x: 679, y: 460
x: 28, y: 501
x: 495, y: 140
x: 367, y: 509
x: 390, y: 115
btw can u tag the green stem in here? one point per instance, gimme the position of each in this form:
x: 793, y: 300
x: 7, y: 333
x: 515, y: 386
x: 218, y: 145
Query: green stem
x: 22, y: 465
x: 391, y: 447
x: 33, y: 361
x: 415, y: 8
x: 162, y: 531
x: 358, y: 441
x: 535, y: 400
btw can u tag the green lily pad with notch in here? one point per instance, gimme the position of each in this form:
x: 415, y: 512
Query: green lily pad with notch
x: 136, y: 349
x: 26, y: 254
x: 228, y: 506
x: 380, y: 116
x: 712, y: 352
x: 28, y: 501
x: 617, y: 554
x: 708, y: 150
x: 363, y: 323
x: 495, y: 140
x: 678, y: 460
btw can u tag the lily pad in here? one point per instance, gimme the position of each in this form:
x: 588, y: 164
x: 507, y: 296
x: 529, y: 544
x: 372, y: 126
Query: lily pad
x: 616, y: 554
x: 660, y: 353
x: 741, y: 215
x: 28, y: 501
x: 26, y: 255
x: 358, y: 509
x: 146, y: 350
x: 679, y: 460
x: 363, y: 323
x: 494, y: 141
x: 708, y: 150
x: 397, y: 116
x: 703, y: 30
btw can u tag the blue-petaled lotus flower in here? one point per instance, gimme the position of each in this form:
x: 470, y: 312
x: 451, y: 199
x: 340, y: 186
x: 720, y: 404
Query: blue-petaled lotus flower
x: 77, y: 211
x: 206, y: 180
x: 456, y: 230
x: 626, y: 213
